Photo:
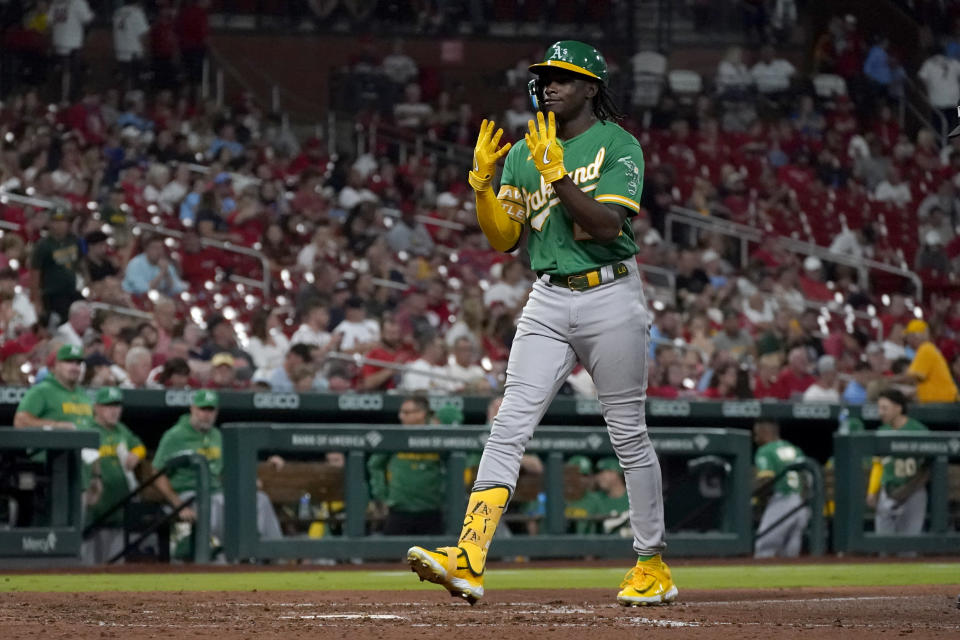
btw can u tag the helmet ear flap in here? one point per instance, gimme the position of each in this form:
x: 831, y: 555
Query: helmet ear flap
x: 536, y: 93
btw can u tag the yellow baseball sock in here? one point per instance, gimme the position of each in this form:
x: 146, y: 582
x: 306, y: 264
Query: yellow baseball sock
x: 479, y: 524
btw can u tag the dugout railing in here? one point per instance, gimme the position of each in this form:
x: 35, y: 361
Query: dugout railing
x: 41, y: 479
x: 160, y: 520
x: 853, y: 454
x: 245, y: 443
x: 814, y: 498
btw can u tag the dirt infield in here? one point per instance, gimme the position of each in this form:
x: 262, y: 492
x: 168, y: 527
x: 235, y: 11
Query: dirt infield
x: 917, y: 612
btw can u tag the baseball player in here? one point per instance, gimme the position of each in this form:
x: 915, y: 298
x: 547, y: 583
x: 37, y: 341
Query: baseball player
x: 572, y: 187
x: 897, y: 486
x: 784, y: 506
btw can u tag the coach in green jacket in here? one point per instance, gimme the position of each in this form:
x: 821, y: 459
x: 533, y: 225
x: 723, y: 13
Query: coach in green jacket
x: 195, y: 433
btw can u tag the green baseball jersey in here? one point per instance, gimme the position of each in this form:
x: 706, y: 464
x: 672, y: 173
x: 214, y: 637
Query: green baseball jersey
x: 408, y: 481
x: 606, y: 163
x: 897, y: 470
x: 774, y: 457
x: 183, y: 438
x: 112, y: 475
x: 48, y: 399
x: 588, y: 511
x: 57, y: 261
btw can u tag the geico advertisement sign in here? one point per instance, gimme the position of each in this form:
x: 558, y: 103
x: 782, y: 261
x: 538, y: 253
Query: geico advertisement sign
x: 285, y: 401
x: 11, y: 395
x: 360, y: 402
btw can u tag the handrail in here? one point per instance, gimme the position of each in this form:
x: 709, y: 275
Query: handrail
x: 359, y: 359
x: 225, y: 246
x: 127, y: 311
x: 746, y: 233
x: 921, y: 96
x: 201, y: 548
x: 816, y: 499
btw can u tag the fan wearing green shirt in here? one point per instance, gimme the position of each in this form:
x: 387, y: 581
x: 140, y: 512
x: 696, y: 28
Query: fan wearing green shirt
x: 56, y: 401
x: 784, y: 518
x: 120, y: 451
x: 195, y: 432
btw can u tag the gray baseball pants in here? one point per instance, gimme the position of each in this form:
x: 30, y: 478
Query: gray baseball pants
x: 904, y: 518
x: 606, y: 329
x: 786, y: 539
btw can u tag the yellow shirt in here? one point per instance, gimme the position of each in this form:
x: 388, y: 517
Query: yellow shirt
x: 936, y: 384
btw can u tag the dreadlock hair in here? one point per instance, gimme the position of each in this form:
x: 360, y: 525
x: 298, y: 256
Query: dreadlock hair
x: 604, y: 107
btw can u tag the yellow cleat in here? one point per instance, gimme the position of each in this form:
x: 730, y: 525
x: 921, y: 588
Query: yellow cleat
x: 648, y: 583
x: 450, y: 567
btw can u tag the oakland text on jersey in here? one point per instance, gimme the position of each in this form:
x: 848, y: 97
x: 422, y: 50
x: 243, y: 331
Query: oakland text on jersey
x: 539, y: 202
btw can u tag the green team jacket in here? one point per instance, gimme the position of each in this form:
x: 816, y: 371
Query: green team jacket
x: 114, y: 481
x: 411, y: 482
x: 48, y: 399
x: 774, y: 457
x: 898, y: 471
x: 606, y: 162
x: 183, y: 438
x: 587, y: 509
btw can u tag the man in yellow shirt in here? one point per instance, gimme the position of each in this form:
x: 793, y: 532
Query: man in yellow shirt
x: 929, y: 370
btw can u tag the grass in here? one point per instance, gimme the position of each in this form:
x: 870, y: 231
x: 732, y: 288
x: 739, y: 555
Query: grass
x: 688, y: 577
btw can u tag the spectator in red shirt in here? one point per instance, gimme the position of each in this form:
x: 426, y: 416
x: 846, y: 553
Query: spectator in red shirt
x: 765, y: 379
x: 390, y: 349
x: 811, y: 281
x: 197, y: 264
x: 193, y: 29
x: 723, y: 383
x: 163, y: 48
x: 796, y: 377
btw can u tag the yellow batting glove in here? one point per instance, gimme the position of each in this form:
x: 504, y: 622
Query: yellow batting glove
x: 545, y: 149
x: 485, y: 156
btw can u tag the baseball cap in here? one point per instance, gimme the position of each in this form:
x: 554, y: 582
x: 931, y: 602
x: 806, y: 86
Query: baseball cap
x: 609, y: 464
x: 449, y: 414
x: 222, y: 358
x: 582, y: 463
x: 205, y: 398
x: 109, y: 395
x: 812, y: 263
x: 916, y: 326
x: 70, y: 352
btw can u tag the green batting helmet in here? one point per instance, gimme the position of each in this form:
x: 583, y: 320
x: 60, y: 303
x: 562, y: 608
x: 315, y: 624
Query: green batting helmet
x: 575, y: 56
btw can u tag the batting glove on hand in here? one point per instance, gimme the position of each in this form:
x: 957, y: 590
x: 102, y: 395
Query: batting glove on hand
x: 545, y: 149
x: 485, y: 156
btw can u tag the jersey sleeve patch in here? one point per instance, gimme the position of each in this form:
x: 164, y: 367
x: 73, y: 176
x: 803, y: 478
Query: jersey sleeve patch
x: 633, y: 205
x: 512, y: 202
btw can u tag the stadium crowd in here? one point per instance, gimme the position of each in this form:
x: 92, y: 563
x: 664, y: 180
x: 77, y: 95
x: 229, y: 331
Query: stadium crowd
x: 129, y: 205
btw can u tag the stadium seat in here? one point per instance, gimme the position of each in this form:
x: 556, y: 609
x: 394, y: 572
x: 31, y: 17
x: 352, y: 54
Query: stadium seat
x: 649, y: 68
x: 685, y: 84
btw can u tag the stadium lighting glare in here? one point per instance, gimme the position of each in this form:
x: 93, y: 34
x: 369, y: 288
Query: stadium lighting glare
x: 230, y: 313
x: 257, y: 246
x: 442, y: 270
x: 838, y: 297
x: 152, y: 209
x: 484, y: 285
x: 688, y: 383
x: 155, y: 220
x: 17, y: 289
x: 309, y: 277
x: 918, y: 312
x: 403, y: 256
x: 8, y: 137
x: 15, y: 264
x: 281, y: 300
x: 871, y: 310
x: 454, y: 283
x: 285, y: 274
x: 31, y: 191
x: 85, y: 292
x: 885, y: 299
x: 185, y: 296
x: 92, y: 206
x: 241, y: 289
x: 208, y: 285
x: 486, y: 364
x: 137, y: 231
x: 250, y: 299
x: 170, y: 242
x: 154, y: 295
x: 26, y: 368
x: 657, y: 305
x: 454, y: 257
